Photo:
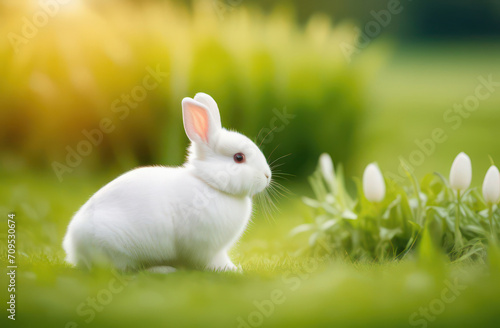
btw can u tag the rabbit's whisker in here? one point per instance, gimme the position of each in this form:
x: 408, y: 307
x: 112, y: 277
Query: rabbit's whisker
x: 281, y: 173
x: 258, y: 134
x: 277, y: 165
x: 272, y: 152
x: 262, y: 141
x: 281, y: 157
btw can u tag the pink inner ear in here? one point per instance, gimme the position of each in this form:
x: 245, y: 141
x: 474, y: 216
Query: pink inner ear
x: 200, y: 122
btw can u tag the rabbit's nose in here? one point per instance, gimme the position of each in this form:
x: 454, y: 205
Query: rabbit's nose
x: 267, y: 175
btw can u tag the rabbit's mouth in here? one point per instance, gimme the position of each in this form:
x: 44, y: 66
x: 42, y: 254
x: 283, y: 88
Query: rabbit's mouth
x: 262, y: 183
x: 268, y: 179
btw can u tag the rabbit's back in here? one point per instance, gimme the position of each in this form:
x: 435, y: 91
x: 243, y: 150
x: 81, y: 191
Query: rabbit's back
x: 155, y: 216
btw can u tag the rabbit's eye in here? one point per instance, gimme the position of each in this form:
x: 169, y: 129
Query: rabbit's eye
x: 239, y: 158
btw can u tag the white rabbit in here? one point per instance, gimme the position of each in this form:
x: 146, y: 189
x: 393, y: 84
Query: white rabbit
x: 161, y: 217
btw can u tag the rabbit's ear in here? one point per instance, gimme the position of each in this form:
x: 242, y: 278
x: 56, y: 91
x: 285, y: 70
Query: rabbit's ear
x: 208, y: 101
x: 198, y: 121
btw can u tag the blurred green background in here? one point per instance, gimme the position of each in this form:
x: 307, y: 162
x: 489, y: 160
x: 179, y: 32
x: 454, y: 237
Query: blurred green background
x: 67, y: 67
x: 66, y: 71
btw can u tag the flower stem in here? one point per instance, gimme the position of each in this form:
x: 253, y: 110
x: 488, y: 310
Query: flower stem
x: 458, y: 235
x: 380, y: 241
x: 492, y: 228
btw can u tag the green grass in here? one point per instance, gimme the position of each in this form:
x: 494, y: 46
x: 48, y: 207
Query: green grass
x: 312, y: 291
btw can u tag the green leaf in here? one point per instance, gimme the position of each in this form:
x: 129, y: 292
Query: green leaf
x: 475, y: 249
x: 300, y: 229
x: 435, y: 226
x: 387, y: 214
x: 475, y: 229
x: 315, y: 182
x: 428, y: 254
x: 388, y: 234
x: 406, y: 209
x: 311, y: 202
x: 442, y: 212
x: 313, y: 238
x: 328, y: 224
x: 320, y: 219
x: 415, y: 225
x: 330, y: 209
x: 494, y: 259
x: 349, y: 215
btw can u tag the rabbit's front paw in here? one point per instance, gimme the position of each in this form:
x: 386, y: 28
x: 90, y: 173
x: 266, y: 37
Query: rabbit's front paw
x: 221, y: 262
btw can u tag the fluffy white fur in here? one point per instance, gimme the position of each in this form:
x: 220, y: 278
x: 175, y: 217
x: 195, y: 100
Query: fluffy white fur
x: 162, y: 217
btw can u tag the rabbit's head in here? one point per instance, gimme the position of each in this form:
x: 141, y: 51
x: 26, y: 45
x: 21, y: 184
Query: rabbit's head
x: 226, y: 160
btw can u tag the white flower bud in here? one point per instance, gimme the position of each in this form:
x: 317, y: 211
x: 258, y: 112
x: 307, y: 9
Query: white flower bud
x: 461, y: 172
x: 326, y: 165
x: 491, y: 186
x: 373, y: 183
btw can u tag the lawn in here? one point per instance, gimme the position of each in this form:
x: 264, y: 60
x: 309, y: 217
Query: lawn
x: 277, y: 288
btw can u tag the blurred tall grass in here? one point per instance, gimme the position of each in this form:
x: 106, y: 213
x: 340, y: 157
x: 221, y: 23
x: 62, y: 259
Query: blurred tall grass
x: 66, y: 78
